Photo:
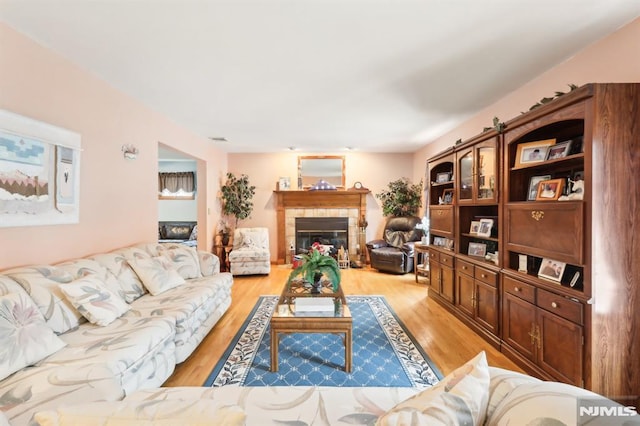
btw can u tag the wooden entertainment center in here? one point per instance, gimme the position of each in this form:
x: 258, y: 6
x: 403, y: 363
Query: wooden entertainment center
x: 579, y: 321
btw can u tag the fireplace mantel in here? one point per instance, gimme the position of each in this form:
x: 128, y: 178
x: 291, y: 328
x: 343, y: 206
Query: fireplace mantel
x: 345, y: 199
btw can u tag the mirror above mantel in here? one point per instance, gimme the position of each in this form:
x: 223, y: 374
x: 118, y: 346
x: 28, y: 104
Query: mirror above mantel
x: 313, y: 168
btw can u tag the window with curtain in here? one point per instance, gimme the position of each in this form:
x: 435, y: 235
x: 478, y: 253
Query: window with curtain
x: 176, y: 185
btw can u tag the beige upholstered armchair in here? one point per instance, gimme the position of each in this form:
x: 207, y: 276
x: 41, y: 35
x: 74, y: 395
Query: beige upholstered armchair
x: 250, y: 254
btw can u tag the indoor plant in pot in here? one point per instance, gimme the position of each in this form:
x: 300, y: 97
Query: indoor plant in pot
x: 401, y: 198
x: 237, y: 196
x: 314, y: 266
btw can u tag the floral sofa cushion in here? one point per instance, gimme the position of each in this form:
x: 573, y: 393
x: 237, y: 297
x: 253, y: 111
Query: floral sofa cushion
x: 295, y: 405
x: 47, y: 387
x: 129, y: 286
x: 25, y: 337
x: 126, y: 346
x: 94, y: 300
x: 460, y: 398
x: 157, y: 274
x: 41, y: 283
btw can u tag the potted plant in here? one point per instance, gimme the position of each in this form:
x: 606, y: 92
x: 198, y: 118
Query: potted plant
x: 314, y: 266
x: 401, y: 198
x: 237, y: 195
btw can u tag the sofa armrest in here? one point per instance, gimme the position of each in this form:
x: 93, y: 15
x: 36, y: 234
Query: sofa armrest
x: 209, y: 263
x: 374, y: 244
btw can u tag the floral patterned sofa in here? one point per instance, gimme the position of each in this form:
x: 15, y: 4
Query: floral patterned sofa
x: 104, y: 326
x: 473, y: 394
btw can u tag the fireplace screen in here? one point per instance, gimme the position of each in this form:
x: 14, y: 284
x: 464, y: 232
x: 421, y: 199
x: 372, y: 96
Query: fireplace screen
x: 330, y: 231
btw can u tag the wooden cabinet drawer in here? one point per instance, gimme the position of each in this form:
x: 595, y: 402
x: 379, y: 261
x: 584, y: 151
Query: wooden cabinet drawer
x: 486, y: 276
x: 547, y: 229
x: 434, y: 256
x: 518, y: 288
x: 561, y: 306
x: 446, y: 259
x: 464, y: 267
x: 441, y: 219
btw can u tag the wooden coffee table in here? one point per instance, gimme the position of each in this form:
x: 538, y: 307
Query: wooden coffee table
x: 285, y: 320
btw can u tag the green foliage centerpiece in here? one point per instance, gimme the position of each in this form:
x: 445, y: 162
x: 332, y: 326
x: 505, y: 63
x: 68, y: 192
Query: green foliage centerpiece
x: 314, y: 266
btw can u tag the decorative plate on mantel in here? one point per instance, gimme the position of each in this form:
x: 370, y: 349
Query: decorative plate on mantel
x: 322, y: 185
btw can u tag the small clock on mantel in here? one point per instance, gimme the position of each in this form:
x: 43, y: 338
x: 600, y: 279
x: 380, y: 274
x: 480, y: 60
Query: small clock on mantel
x: 357, y: 186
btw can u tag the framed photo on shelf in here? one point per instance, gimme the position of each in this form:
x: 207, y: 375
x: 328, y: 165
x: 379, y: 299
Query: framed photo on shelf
x: 551, y: 269
x: 439, y: 241
x: 485, y: 227
x: 443, y: 177
x: 284, y: 184
x: 559, y: 150
x: 447, y: 196
x: 475, y: 225
x: 533, y: 152
x: 550, y: 190
x: 533, y: 186
x: 477, y: 249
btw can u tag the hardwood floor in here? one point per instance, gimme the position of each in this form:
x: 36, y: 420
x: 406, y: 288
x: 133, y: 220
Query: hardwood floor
x: 448, y: 342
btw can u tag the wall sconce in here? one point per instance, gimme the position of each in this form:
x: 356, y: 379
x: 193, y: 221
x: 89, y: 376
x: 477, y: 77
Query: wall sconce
x: 130, y: 151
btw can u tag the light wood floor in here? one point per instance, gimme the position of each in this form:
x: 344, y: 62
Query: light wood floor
x: 447, y: 341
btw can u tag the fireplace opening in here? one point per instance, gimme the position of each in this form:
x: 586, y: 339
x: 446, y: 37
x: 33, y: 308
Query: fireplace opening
x: 330, y: 231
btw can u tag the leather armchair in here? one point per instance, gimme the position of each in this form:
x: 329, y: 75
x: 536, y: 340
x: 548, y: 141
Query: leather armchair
x: 394, y: 252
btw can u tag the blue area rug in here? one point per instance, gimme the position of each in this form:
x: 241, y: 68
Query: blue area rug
x: 384, y: 352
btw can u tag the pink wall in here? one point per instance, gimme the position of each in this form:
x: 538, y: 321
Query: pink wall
x: 118, y: 201
x: 375, y: 171
x: 614, y: 59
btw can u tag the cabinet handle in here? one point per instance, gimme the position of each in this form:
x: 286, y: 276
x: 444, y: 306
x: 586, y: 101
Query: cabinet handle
x: 483, y: 276
x: 554, y: 305
x: 532, y: 334
x: 440, y: 212
x: 537, y: 215
x: 464, y: 267
x: 538, y: 337
x: 516, y: 289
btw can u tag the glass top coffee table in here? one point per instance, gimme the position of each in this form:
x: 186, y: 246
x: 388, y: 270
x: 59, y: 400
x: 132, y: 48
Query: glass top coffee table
x: 286, y: 320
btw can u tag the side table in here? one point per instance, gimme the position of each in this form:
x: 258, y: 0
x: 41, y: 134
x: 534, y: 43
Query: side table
x: 222, y: 252
x: 421, y: 261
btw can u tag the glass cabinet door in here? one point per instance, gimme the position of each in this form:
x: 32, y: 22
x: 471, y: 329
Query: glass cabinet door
x: 486, y: 173
x: 465, y: 186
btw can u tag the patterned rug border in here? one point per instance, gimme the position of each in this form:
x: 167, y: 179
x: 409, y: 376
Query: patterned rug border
x: 239, y: 355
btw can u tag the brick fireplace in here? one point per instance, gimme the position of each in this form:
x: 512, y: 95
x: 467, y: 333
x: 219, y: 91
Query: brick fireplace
x: 350, y: 204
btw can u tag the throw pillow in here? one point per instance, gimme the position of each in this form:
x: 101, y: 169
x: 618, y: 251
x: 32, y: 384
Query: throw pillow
x: 26, y: 338
x: 194, y: 233
x: 460, y: 398
x: 94, y: 300
x: 157, y: 274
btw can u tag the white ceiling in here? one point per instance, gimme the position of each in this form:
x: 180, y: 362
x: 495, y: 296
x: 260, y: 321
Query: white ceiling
x: 318, y: 75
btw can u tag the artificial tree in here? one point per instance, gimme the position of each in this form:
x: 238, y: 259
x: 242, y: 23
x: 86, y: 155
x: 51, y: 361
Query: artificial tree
x: 237, y: 197
x: 401, y: 198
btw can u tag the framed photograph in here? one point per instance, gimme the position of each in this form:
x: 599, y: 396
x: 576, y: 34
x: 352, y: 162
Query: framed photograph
x: 551, y: 269
x: 443, y: 177
x: 448, y: 243
x: 533, y: 186
x: 439, y: 241
x: 559, y: 150
x: 532, y: 152
x: 550, y: 190
x: 284, y: 184
x: 475, y: 225
x: 485, y: 227
x: 447, y: 196
x: 477, y: 249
